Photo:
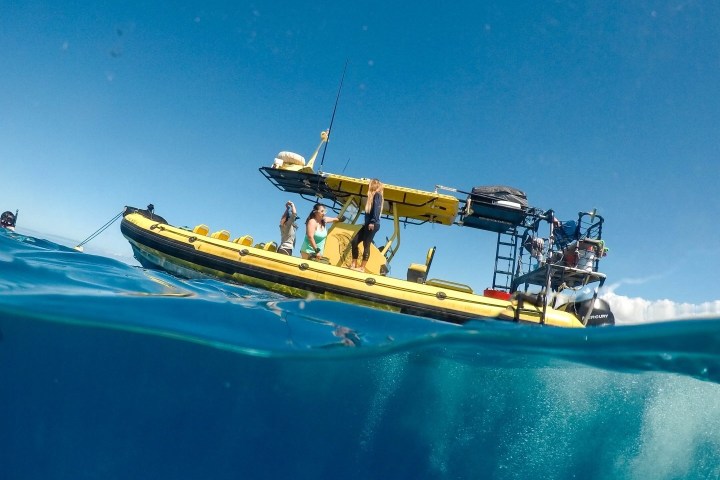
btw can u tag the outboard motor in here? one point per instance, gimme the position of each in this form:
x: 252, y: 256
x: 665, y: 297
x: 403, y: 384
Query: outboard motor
x: 601, y: 314
x: 7, y: 220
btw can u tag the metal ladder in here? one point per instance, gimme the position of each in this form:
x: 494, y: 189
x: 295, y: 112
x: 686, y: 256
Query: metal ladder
x: 505, y: 256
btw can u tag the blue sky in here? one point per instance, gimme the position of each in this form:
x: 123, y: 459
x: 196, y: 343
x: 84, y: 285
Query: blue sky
x: 581, y: 104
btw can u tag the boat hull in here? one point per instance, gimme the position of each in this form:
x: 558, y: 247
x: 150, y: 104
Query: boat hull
x: 181, y: 252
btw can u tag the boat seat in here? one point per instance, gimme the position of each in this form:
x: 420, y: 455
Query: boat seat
x: 246, y: 240
x: 270, y: 247
x: 418, y: 272
x: 221, y: 235
x: 201, y: 229
x: 267, y: 246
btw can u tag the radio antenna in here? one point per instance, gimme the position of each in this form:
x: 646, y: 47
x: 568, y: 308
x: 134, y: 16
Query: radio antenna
x: 332, y: 119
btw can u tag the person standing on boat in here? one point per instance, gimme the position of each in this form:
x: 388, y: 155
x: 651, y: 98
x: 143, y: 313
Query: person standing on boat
x: 316, y: 232
x: 373, y: 210
x: 288, y: 229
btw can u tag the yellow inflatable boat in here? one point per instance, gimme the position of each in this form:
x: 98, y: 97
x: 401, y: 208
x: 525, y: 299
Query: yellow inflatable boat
x: 531, y: 281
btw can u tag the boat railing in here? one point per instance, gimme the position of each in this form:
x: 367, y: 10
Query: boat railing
x: 567, y: 259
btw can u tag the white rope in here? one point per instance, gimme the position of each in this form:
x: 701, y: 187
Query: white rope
x: 100, y: 230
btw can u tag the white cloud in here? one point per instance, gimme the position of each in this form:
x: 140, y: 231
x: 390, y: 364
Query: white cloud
x: 629, y: 311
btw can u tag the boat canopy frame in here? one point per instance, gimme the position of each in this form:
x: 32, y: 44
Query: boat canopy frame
x: 414, y: 207
x: 402, y: 205
x: 308, y: 185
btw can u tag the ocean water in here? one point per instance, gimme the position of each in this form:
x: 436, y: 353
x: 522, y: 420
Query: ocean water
x: 109, y: 371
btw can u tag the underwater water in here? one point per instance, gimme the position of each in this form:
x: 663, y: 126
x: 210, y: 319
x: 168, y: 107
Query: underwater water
x: 109, y: 371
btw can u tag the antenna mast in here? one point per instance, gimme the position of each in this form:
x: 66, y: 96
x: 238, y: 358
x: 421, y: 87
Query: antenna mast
x: 332, y: 119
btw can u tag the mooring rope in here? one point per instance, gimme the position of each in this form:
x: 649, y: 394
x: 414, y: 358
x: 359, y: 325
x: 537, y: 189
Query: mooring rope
x: 100, y: 230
